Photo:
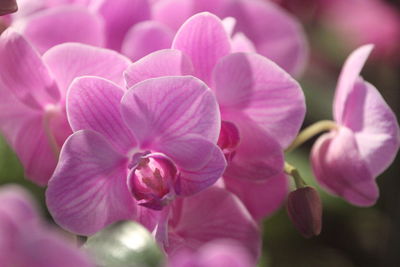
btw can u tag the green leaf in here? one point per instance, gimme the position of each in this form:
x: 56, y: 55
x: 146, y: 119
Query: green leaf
x: 10, y: 167
x: 11, y: 171
x: 124, y: 244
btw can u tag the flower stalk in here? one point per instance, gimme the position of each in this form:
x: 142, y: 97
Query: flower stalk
x: 311, y: 131
x: 292, y: 171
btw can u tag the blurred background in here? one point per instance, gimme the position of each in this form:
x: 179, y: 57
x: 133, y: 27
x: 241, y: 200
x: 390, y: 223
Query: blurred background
x: 351, y: 236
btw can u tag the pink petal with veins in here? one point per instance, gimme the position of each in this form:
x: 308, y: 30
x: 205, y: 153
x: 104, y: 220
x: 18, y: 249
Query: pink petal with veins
x: 88, y: 189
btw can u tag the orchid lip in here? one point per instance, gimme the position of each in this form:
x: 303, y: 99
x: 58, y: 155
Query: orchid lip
x: 152, y: 179
x: 136, y: 156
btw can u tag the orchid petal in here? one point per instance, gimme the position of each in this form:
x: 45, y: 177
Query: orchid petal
x: 212, y: 6
x: 224, y: 253
x: 146, y: 37
x: 199, y: 161
x: 258, y: 155
x: 149, y: 218
x: 212, y: 214
x: 23, y: 74
x: 217, y: 253
x: 46, y: 249
x: 33, y: 148
x: 53, y: 26
x: 172, y: 13
x: 167, y: 108
x: 274, y: 32
x: 240, y: 43
x: 229, y: 25
x: 263, y: 91
x: 24, y: 130
x: 57, y: 126
x: 88, y: 190
x: 31, y: 133
x: 24, y: 241
x: 5, y: 231
x: 119, y: 17
x: 339, y: 167
x: 167, y: 62
x: 204, y: 39
x: 68, y: 61
x: 260, y: 198
x: 54, y: 3
x: 16, y: 208
x: 7, y: 243
x: 18, y: 204
x: 94, y: 104
x: 374, y: 124
x: 13, y: 115
x: 27, y: 7
x: 348, y: 77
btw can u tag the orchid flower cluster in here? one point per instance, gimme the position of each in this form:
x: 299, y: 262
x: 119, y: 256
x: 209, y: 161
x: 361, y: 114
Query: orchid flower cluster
x: 176, y: 115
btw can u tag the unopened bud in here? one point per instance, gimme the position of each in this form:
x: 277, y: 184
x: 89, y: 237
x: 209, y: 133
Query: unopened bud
x: 7, y: 7
x: 305, y: 211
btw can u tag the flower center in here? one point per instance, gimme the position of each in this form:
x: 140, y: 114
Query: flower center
x: 229, y: 139
x: 151, y: 180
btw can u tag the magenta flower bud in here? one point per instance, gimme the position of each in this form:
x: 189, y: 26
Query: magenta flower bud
x: 304, y: 208
x: 229, y: 139
x: 152, y: 181
x: 7, y: 7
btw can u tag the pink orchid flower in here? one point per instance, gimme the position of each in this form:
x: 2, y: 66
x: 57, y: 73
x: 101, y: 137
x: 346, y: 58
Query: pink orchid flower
x: 26, y: 241
x: 32, y: 96
x: 100, y: 23
x: 104, y: 23
x: 358, y: 22
x: 218, y: 253
x: 210, y: 215
x: 274, y: 32
x: 41, y: 26
x: 143, y: 146
x: 197, y: 220
x: 347, y: 160
x: 262, y: 107
x: 139, y: 27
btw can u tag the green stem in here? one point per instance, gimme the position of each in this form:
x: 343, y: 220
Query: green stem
x: 311, y: 131
x: 292, y: 171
